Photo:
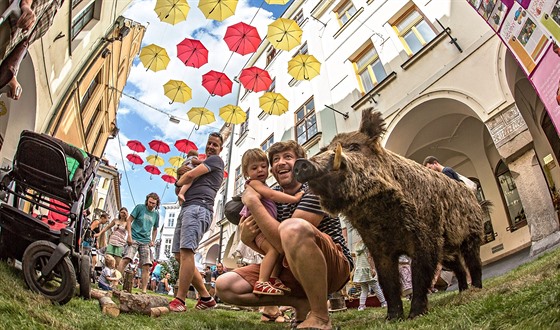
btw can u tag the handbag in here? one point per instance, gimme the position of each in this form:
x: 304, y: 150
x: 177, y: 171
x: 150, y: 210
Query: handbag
x: 232, y: 209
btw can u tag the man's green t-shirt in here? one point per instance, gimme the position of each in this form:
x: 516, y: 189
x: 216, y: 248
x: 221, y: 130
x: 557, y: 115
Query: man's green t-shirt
x: 143, y: 223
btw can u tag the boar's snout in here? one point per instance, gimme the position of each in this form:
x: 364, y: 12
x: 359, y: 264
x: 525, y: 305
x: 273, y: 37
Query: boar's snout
x: 304, y: 170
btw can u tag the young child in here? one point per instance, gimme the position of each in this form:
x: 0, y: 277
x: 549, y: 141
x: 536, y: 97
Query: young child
x: 108, y: 278
x: 190, y: 163
x: 254, y: 166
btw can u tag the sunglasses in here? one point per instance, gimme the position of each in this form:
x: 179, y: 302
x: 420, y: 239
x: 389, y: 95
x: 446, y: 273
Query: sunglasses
x: 218, y: 135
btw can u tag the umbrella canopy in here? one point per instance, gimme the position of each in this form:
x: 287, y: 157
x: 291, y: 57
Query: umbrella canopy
x: 152, y: 169
x: 185, y: 145
x: 192, y: 52
x: 176, y: 161
x: 242, y: 38
x: 217, y: 10
x: 225, y: 174
x: 201, y: 156
x: 155, y: 160
x: 154, y: 58
x: 170, y: 171
x: 233, y: 114
x: 172, y: 11
x: 273, y: 103
x: 216, y: 83
x: 277, y: 2
x: 135, y: 145
x: 304, y: 67
x: 135, y: 159
x: 284, y: 34
x: 255, y: 79
x: 168, y: 178
x: 201, y: 116
x: 177, y: 90
x: 159, y: 146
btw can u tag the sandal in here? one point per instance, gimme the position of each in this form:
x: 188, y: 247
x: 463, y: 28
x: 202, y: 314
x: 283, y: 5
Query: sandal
x: 275, y: 282
x: 265, y: 288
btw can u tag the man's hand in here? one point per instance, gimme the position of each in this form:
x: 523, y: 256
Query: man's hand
x: 151, y: 243
x: 129, y: 241
x: 27, y: 18
x: 250, y: 195
x: 248, y: 229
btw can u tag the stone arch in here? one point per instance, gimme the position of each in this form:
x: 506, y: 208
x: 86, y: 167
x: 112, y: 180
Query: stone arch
x: 212, y: 254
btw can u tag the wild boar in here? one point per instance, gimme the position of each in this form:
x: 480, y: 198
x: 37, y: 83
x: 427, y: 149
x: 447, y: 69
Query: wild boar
x: 398, y: 207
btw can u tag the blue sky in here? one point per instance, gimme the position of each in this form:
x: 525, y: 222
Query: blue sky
x: 137, y: 121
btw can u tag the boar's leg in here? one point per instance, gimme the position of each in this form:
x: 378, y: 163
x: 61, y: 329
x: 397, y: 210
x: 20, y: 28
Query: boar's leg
x: 423, y: 266
x: 471, y: 254
x: 455, y: 265
x: 388, y: 272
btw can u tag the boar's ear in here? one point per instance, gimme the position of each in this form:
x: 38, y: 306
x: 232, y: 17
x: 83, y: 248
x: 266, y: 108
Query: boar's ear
x: 372, y: 124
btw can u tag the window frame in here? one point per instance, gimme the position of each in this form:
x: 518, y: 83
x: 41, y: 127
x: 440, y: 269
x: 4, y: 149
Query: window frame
x: 271, y: 53
x: 239, y: 182
x: 342, y: 9
x: 412, y: 27
x: 269, y: 141
x: 82, y: 19
x: 304, y: 120
x: 369, y: 67
x: 244, y: 126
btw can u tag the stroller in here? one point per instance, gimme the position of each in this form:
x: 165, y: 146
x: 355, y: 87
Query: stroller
x: 50, y: 175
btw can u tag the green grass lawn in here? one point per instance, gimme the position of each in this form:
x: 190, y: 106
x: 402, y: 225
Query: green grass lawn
x: 525, y: 298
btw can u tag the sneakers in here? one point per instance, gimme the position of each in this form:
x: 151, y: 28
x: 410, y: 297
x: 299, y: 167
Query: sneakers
x: 266, y: 288
x: 177, y: 305
x: 201, y: 305
x: 384, y: 305
x: 275, y: 282
x: 361, y: 307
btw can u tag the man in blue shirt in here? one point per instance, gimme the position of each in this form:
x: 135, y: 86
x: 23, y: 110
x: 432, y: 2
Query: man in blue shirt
x: 432, y: 163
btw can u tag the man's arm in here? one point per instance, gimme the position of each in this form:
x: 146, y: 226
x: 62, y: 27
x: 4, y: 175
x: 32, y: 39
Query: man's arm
x: 129, y: 229
x: 248, y: 230
x: 267, y: 224
x: 28, y: 17
x: 189, y: 177
x: 154, y: 234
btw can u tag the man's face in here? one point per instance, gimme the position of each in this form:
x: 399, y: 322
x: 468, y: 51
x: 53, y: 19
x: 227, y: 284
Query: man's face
x: 151, y: 203
x: 220, y: 268
x: 282, y: 165
x: 213, y: 146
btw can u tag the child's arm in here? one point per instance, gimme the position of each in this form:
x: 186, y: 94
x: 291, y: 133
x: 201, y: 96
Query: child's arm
x: 105, y: 229
x: 274, y: 195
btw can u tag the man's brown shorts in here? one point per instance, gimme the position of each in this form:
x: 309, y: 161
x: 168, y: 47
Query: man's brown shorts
x: 338, y: 268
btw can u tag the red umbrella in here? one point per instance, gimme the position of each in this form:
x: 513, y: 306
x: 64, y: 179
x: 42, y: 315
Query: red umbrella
x: 242, y: 38
x: 192, y: 52
x: 152, y: 170
x: 216, y: 83
x: 168, y: 178
x: 159, y: 146
x: 225, y: 174
x: 255, y: 79
x: 185, y: 145
x: 202, y: 157
x: 134, y: 159
x: 136, y: 145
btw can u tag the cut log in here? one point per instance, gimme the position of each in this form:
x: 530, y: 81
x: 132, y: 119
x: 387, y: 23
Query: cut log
x: 158, y: 311
x: 108, y: 306
x: 140, y: 303
x: 127, y: 280
x: 97, y: 294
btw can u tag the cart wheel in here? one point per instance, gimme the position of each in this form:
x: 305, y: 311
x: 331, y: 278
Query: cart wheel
x: 85, y: 277
x: 59, y: 284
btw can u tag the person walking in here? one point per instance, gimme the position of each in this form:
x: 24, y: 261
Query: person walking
x: 366, y: 277
x: 432, y: 163
x: 117, y: 238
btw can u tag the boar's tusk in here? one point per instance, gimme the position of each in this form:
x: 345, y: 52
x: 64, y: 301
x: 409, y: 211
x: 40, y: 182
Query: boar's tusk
x: 337, y: 158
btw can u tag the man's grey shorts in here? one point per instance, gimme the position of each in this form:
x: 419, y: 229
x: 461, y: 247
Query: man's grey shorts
x: 193, y: 221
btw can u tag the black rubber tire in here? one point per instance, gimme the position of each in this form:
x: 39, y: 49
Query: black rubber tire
x: 59, y: 285
x: 85, y: 276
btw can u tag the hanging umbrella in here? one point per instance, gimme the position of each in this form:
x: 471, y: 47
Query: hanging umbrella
x: 170, y: 171
x: 284, y: 34
x: 216, y: 83
x: 304, y: 67
x: 273, y: 103
x: 192, y: 52
x: 255, y: 79
x: 135, y: 145
x: 159, y: 146
x: 185, y: 145
x: 176, y: 161
x: 277, y: 2
x: 134, y: 159
x: 154, y: 58
x: 217, y: 10
x: 168, y: 178
x: 152, y: 170
x: 177, y: 90
x: 225, y: 174
x: 155, y: 160
x: 242, y: 38
x: 233, y: 114
x: 201, y: 156
x: 172, y: 11
x: 201, y: 116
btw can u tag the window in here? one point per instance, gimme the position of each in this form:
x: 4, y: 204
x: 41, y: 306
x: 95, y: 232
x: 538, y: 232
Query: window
x: 171, y: 220
x: 306, y: 122
x: 345, y: 11
x: 267, y: 143
x: 75, y: 3
x: 298, y: 17
x: 105, y: 183
x: 244, y: 125
x: 516, y: 213
x: 303, y: 49
x: 239, y: 181
x: 270, y: 54
x: 369, y: 69
x: 167, y: 246
x: 83, y: 18
x: 89, y: 91
x: 101, y: 203
x: 272, y: 87
x: 93, y: 120
x: 413, y: 31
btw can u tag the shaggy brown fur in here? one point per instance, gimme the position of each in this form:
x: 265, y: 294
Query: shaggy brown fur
x: 398, y: 207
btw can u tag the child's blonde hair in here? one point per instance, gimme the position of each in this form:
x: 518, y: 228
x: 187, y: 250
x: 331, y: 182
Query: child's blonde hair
x: 251, y: 156
x: 192, y: 152
x: 110, y: 261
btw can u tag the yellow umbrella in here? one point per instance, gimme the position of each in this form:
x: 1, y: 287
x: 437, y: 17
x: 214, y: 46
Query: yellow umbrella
x: 177, y: 90
x: 218, y: 10
x: 201, y: 116
x: 277, y: 2
x: 304, y: 67
x: 176, y: 161
x: 172, y: 11
x: 171, y: 171
x: 233, y: 114
x: 284, y: 34
x: 273, y: 103
x: 154, y: 58
x: 155, y: 160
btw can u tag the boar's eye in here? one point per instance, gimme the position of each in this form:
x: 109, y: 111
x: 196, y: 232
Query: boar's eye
x: 354, y: 147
